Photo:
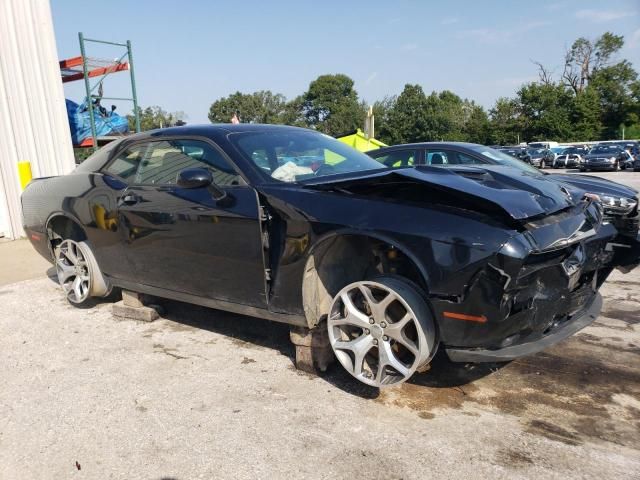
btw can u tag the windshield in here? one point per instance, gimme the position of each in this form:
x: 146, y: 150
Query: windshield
x: 298, y: 155
x: 610, y: 150
x: 536, y: 152
x: 501, y: 158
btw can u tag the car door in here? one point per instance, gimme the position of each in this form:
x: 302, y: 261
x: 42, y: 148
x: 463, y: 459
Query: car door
x: 183, y: 239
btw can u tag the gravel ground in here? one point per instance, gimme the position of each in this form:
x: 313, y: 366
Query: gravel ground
x: 207, y: 394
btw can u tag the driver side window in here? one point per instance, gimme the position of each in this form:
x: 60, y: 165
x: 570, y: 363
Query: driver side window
x: 158, y: 163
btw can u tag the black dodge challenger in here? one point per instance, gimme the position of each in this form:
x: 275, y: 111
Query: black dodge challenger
x: 486, y: 262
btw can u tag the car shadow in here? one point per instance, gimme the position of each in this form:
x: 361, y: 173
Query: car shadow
x: 442, y: 372
x: 239, y: 328
x: 52, y: 274
x: 244, y: 329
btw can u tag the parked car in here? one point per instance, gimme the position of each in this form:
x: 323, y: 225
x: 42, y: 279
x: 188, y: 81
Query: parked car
x: 556, y: 151
x: 604, y: 157
x: 485, y: 262
x: 541, y: 157
x: 546, y: 144
x: 570, y: 157
x: 520, y: 153
x: 620, y: 202
x: 628, y: 159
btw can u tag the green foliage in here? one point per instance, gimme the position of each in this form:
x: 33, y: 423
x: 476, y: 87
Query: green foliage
x: 408, y: 117
x: 505, y: 124
x: 545, y: 112
x: 595, y: 98
x: 258, y: 107
x: 615, y: 86
x: 414, y: 117
x: 585, y: 114
x: 381, y: 111
x: 331, y: 105
x: 155, y: 117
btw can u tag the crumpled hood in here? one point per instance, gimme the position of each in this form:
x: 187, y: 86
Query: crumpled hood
x: 519, y: 194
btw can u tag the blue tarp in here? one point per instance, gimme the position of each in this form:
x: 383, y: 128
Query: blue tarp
x: 107, y: 123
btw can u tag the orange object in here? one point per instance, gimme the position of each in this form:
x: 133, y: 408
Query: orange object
x: 468, y: 318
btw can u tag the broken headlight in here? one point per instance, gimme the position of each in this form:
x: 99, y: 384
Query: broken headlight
x: 617, y: 205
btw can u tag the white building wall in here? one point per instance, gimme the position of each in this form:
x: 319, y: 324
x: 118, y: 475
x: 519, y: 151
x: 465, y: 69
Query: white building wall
x: 33, y: 117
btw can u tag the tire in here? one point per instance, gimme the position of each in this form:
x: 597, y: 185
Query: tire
x: 79, y: 274
x: 386, y: 319
x: 542, y: 165
x: 616, y: 167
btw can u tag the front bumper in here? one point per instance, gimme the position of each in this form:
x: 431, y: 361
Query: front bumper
x: 576, y: 323
x: 599, y: 165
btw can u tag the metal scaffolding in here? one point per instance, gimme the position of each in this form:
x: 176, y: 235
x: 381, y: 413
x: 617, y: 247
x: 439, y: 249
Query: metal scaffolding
x: 85, y: 68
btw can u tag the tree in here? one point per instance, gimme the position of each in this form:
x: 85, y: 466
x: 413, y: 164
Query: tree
x: 616, y: 85
x: 505, y: 122
x: 155, y: 117
x: 263, y: 106
x: 293, y: 113
x: 382, y: 110
x: 585, y: 115
x: 586, y: 57
x: 408, y: 118
x: 546, y: 112
x: 331, y: 105
x: 476, y: 128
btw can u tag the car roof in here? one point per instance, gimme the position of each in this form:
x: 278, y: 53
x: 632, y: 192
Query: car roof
x: 214, y: 129
x: 428, y: 144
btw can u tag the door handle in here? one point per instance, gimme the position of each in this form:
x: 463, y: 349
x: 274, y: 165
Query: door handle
x: 130, y: 199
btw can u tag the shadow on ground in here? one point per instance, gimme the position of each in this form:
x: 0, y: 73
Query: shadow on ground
x: 248, y: 330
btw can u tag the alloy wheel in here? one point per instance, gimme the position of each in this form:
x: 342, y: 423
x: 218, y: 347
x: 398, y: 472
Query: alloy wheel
x: 376, y: 334
x: 73, y: 271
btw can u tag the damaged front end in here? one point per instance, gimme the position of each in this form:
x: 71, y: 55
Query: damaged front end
x: 541, y: 287
x: 533, y: 279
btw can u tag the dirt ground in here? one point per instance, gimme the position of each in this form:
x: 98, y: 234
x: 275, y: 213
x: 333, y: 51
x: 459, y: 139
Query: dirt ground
x: 206, y: 394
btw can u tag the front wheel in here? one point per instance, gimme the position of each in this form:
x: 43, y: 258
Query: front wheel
x: 78, y: 273
x: 542, y: 165
x: 616, y: 167
x: 381, y: 330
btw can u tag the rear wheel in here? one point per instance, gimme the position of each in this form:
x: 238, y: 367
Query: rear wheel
x: 78, y: 273
x: 381, y: 330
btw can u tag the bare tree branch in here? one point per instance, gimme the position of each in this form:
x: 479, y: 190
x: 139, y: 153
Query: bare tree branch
x: 544, y: 74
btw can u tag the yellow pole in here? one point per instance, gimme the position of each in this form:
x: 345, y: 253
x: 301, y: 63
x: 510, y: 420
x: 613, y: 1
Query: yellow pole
x: 24, y: 172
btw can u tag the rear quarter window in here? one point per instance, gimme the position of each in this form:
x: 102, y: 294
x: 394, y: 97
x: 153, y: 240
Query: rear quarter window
x: 96, y: 161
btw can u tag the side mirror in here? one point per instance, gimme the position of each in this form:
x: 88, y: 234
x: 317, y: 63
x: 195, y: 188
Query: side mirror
x: 194, y: 178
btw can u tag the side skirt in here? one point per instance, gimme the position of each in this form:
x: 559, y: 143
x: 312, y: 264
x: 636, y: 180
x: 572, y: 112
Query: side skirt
x: 299, y: 320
